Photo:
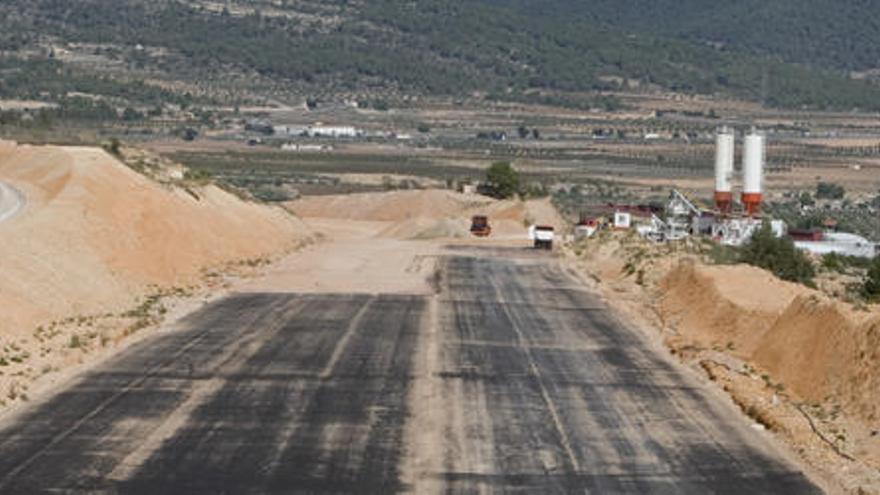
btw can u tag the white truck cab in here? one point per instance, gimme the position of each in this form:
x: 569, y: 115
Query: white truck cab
x: 542, y: 235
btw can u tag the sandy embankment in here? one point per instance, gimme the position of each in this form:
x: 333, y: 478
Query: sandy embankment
x: 95, y: 234
x: 819, y: 349
x: 804, y: 365
x: 83, y: 261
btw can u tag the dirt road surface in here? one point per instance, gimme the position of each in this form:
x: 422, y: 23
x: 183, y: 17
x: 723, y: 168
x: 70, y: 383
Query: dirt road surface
x: 512, y: 378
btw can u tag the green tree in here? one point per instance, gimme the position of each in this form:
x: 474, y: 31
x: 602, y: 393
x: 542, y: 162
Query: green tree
x: 806, y: 199
x: 779, y: 256
x: 830, y: 190
x: 131, y: 115
x: 114, y: 147
x: 871, y: 287
x: 503, y: 180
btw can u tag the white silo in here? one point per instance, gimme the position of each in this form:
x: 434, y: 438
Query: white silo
x: 725, y: 143
x: 753, y: 172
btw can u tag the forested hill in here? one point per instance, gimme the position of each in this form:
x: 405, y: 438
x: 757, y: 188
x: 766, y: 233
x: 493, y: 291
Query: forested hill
x: 843, y: 34
x: 503, y: 48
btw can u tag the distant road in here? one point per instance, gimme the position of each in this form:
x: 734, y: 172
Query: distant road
x: 11, y: 201
x: 518, y: 380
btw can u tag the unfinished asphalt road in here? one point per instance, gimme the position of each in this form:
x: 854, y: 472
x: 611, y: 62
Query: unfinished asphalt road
x: 513, y: 379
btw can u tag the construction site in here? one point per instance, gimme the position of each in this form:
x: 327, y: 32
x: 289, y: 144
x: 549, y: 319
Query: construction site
x: 731, y: 220
x: 403, y: 341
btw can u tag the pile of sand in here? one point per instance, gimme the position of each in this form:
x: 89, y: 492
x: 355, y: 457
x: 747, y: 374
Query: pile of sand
x: 823, y: 349
x: 716, y: 306
x: 818, y: 348
x: 394, y: 206
x: 95, y: 234
x: 430, y: 214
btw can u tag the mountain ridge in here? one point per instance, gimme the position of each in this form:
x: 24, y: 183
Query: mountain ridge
x: 433, y: 47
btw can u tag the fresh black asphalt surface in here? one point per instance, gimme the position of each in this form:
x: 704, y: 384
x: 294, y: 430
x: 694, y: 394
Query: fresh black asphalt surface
x: 537, y: 389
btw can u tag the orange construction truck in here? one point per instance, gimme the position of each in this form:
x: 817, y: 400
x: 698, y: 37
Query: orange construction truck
x: 480, y: 226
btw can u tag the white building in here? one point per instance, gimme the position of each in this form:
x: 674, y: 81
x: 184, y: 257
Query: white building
x: 840, y: 243
x: 335, y: 131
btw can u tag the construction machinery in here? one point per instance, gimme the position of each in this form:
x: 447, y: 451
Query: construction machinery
x: 480, y: 226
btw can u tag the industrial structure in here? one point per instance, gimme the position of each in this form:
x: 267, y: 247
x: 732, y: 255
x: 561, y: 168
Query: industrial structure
x: 753, y: 173
x: 727, y: 223
x: 730, y: 222
x: 725, y: 151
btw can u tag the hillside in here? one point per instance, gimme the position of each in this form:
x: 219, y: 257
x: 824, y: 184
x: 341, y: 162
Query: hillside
x: 435, y: 47
x: 823, y: 33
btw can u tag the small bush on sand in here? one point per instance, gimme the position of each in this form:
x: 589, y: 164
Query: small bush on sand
x: 871, y: 287
x: 779, y: 256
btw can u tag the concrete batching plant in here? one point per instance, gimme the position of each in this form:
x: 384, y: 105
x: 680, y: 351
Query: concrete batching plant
x: 724, y: 159
x: 753, y: 173
x: 753, y: 158
x: 736, y: 229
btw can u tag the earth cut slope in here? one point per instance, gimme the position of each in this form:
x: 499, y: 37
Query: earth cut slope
x: 94, y: 234
x: 818, y: 348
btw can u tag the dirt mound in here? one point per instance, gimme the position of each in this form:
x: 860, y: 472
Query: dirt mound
x: 430, y: 214
x: 817, y: 348
x: 725, y: 306
x: 94, y: 234
x: 821, y: 349
x: 392, y: 206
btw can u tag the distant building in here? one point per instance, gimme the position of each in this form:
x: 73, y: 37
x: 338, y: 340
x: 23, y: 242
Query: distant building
x: 335, y: 131
x: 286, y: 130
x: 468, y: 189
x: 840, y: 243
x: 261, y: 126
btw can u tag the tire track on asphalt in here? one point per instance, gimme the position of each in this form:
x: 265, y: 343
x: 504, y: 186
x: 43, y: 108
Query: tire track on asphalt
x: 343, y: 341
x: 631, y: 420
x: 231, y: 356
x: 106, y: 404
x: 552, y: 408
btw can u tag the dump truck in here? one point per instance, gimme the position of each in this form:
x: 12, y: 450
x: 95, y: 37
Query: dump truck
x: 480, y: 226
x: 543, y: 236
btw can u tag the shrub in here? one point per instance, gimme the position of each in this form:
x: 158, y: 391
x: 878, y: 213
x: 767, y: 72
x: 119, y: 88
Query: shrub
x: 871, y: 287
x: 834, y: 262
x: 779, y: 256
x: 503, y: 180
x: 830, y: 190
x: 723, y: 255
x: 114, y: 147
